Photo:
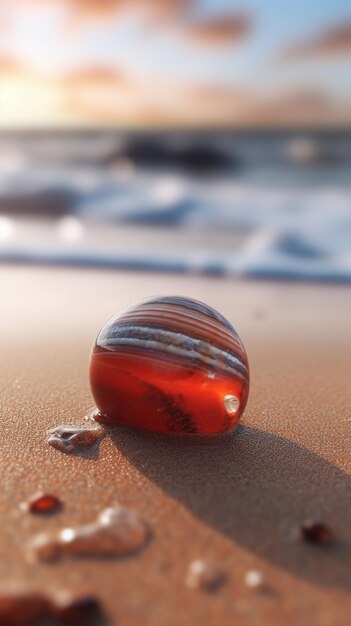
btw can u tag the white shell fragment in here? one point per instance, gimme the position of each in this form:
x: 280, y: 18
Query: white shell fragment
x: 68, y: 438
x: 205, y: 574
x: 254, y: 579
x: 117, y: 531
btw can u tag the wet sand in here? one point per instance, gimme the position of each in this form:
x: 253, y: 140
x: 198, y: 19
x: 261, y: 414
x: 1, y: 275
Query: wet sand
x: 236, y: 499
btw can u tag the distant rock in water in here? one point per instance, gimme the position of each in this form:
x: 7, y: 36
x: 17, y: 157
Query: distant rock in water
x: 195, y: 159
x: 44, y: 203
x: 201, y: 159
x: 307, y: 152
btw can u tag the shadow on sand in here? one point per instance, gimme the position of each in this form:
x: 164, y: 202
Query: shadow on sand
x: 255, y: 488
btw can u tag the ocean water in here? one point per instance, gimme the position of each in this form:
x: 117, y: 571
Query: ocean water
x: 269, y: 205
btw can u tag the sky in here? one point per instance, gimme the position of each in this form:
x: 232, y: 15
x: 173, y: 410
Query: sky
x: 133, y: 63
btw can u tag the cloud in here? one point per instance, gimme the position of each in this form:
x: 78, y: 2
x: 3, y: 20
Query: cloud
x: 220, y: 105
x: 306, y: 107
x: 95, y: 76
x: 130, y: 113
x: 26, y: 97
x: 182, y: 17
x: 99, y: 95
x: 335, y: 41
x: 106, y: 95
x: 10, y: 66
x: 103, y: 95
x: 89, y: 95
x: 163, y: 10
x: 217, y: 31
x: 102, y: 90
x: 92, y: 10
x: 239, y: 107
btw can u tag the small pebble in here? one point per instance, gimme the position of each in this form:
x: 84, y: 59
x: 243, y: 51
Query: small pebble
x: 68, y: 438
x: 77, y: 610
x: 117, y: 531
x: 254, y: 579
x: 317, y: 533
x: 205, y: 574
x: 20, y: 606
x: 42, y: 503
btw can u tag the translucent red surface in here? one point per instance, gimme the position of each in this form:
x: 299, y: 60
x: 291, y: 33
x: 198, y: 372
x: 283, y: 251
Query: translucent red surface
x: 162, y: 398
x: 44, y: 503
x: 162, y: 390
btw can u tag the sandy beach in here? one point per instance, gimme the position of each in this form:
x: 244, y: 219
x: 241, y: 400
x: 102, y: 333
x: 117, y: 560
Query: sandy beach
x: 237, y: 499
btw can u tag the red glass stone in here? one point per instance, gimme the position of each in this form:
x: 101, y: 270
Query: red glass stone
x: 44, y: 503
x: 172, y: 365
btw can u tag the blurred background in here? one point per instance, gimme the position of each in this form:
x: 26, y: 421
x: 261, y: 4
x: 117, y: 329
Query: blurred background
x: 208, y: 136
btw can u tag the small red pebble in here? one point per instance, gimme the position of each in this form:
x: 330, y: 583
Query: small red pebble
x: 43, y: 503
x: 317, y: 533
